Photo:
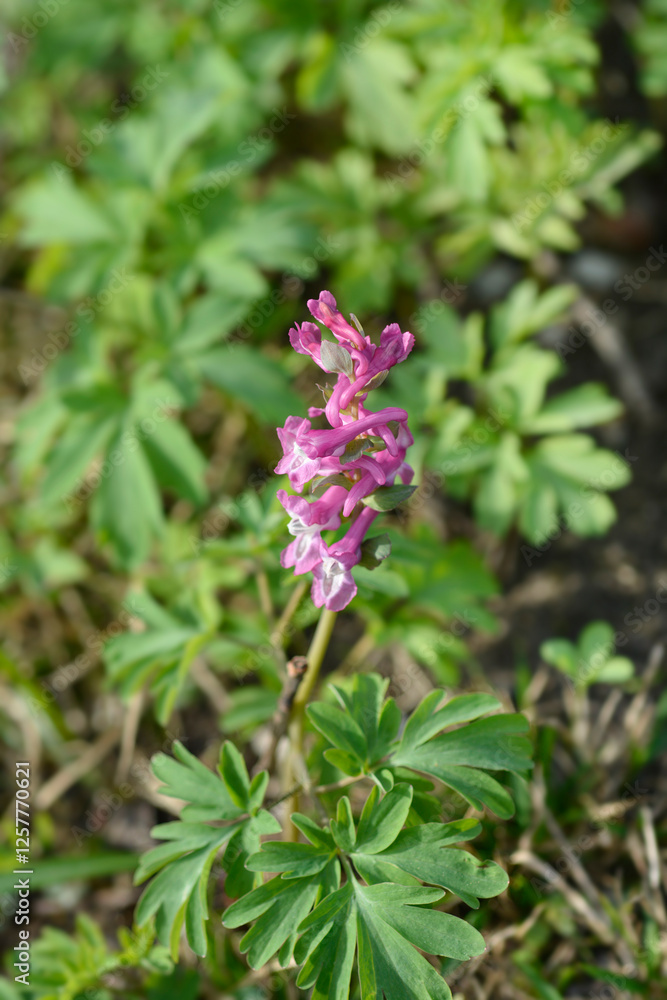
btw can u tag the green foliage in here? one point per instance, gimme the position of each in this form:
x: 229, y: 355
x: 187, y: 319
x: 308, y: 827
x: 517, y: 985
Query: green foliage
x: 383, y: 918
x: 364, y: 884
x: 514, y: 452
x: 161, y: 655
x: 189, y: 176
x: 183, y: 164
x: 67, y: 967
x: 650, y: 38
x: 591, y: 660
x: 177, y: 896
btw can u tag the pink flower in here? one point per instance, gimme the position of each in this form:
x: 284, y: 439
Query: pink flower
x: 307, y: 523
x: 307, y: 339
x: 333, y: 583
x: 309, y: 453
x: 301, y: 459
x: 325, y: 310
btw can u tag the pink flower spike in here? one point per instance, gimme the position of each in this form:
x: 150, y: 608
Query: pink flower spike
x: 333, y: 406
x: 333, y: 442
x: 309, y: 453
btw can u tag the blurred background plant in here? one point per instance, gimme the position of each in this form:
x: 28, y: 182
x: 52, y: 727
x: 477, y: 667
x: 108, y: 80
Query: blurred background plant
x: 179, y: 178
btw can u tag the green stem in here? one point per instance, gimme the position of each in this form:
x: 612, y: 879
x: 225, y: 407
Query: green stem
x: 318, y: 648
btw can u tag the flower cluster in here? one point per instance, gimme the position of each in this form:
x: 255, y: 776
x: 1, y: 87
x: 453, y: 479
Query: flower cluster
x: 358, y: 454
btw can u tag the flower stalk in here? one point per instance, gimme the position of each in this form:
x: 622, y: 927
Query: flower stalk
x: 315, y: 657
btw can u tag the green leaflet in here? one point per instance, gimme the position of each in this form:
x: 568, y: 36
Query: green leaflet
x: 178, y: 894
x: 363, y: 733
x: 69, y: 966
x: 364, y: 726
x: 279, y: 906
x: 161, y: 655
x: 418, y: 852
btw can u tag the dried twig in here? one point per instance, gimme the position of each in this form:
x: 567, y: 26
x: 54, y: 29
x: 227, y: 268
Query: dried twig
x: 607, y: 339
x: 207, y: 681
x: 128, y: 740
x: 76, y: 769
x: 296, y: 669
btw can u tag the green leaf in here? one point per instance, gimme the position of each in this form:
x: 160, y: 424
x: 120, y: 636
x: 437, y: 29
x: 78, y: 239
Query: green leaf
x: 56, y: 211
x: 456, y: 758
x: 374, y: 77
x: 186, y: 778
x: 380, y: 824
x: 579, y: 474
x: 336, y: 359
x: 364, y: 726
x: 295, y: 860
x: 388, y: 497
x: 178, y: 894
x: 592, y: 660
x: 339, y: 728
x: 388, y: 965
x: 525, y: 311
x: 560, y: 653
x: 419, y: 852
x: 494, y: 743
x: 328, y: 962
x: 82, y: 441
x: 469, y: 170
x: 342, y: 828
x: 427, y: 720
x: 235, y: 776
x: 375, y: 550
x: 538, y: 518
x: 126, y: 507
x: 278, y: 907
x: 161, y: 656
x: 381, y: 581
x: 363, y: 731
x: 583, y: 406
x: 616, y: 670
x: 73, y: 868
x: 177, y: 463
x: 254, y: 379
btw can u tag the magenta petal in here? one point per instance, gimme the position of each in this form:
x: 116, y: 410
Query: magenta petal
x: 325, y: 310
x: 371, y: 465
x: 361, y: 489
x: 394, y: 345
x: 303, y: 553
x: 307, y: 339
